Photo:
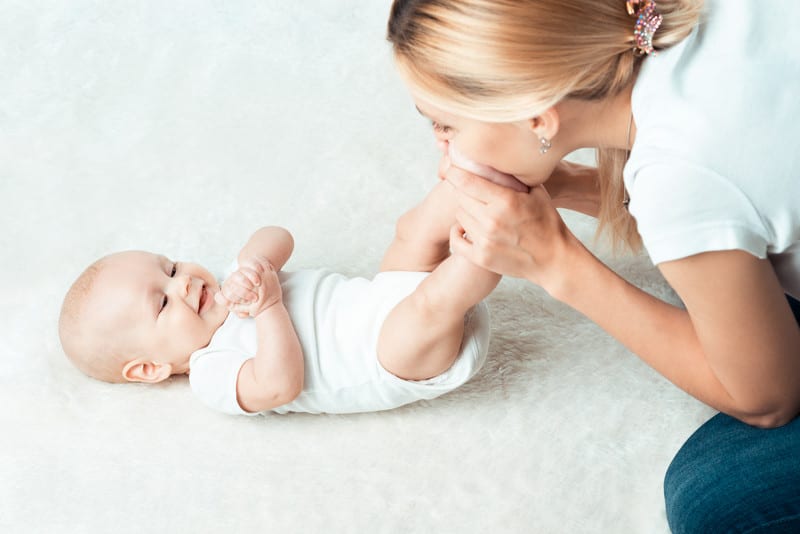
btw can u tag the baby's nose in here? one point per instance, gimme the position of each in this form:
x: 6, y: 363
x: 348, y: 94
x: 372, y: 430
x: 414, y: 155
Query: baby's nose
x: 186, y: 284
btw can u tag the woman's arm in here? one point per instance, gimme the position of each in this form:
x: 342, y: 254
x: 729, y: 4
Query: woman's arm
x: 575, y: 187
x: 735, y: 347
x: 744, y: 328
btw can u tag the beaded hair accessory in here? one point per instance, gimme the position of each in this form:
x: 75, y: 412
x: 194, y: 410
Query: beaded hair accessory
x: 647, y: 22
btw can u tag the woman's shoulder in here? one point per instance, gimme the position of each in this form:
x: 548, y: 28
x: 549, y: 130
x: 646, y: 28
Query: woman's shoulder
x: 683, y: 209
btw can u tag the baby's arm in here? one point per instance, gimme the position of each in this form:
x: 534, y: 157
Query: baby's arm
x: 422, y: 234
x: 271, y: 242
x: 270, y: 245
x: 275, y: 375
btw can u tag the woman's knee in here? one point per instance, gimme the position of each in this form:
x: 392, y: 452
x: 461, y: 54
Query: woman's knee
x: 730, y: 477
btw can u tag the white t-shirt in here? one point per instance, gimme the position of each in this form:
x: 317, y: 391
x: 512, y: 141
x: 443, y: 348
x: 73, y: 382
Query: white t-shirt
x: 337, y: 320
x: 716, y: 162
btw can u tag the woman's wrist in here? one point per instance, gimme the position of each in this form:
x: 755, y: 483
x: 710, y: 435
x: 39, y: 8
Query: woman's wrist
x: 569, y: 269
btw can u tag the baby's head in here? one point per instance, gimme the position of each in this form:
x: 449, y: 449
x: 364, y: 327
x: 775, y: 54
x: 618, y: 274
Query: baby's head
x: 137, y: 317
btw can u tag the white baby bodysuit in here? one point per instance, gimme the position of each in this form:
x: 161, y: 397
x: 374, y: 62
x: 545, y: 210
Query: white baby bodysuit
x: 337, y: 320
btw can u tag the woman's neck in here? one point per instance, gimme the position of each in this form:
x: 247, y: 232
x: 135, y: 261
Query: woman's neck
x: 602, y: 123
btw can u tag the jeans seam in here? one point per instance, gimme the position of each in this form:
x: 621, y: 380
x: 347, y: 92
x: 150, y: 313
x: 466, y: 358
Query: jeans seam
x: 772, y: 523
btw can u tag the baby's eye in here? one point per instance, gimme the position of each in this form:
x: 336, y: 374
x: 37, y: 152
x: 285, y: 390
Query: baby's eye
x: 163, y: 304
x: 174, y: 270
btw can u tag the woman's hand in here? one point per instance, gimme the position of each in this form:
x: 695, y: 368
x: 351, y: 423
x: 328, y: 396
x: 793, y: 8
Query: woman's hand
x: 511, y: 233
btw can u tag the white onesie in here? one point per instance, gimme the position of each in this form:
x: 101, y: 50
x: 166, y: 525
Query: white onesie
x: 338, y: 320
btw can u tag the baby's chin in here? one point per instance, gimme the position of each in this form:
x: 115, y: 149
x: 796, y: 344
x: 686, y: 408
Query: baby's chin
x: 218, y: 314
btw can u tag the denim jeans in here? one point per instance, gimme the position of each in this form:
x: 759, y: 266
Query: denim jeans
x: 732, y: 477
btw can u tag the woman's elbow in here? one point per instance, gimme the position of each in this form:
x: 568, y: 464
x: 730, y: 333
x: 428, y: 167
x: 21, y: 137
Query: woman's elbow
x: 770, y: 418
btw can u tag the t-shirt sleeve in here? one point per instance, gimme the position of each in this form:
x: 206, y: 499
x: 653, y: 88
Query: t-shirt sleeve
x: 213, y: 375
x: 682, y: 210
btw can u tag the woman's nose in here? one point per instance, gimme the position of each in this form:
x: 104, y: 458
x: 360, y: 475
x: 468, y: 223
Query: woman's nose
x: 441, y: 137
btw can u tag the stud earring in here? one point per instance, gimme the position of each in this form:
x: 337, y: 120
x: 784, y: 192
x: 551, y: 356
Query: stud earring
x: 545, y: 145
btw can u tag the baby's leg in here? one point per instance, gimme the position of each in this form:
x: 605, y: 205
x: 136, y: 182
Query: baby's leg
x: 422, y: 238
x: 422, y: 335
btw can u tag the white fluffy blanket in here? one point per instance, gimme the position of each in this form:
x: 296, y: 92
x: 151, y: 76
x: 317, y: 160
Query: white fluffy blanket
x: 181, y: 127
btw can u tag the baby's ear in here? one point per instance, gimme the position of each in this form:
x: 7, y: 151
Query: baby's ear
x: 146, y: 371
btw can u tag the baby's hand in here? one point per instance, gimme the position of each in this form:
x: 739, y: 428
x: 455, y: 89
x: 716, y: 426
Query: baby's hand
x: 268, y: 289
x: 251, y: 289
x: 238, y: 290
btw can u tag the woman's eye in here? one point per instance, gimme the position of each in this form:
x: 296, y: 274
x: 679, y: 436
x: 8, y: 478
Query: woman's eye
x: 440, y: 128
x: 174, y: 270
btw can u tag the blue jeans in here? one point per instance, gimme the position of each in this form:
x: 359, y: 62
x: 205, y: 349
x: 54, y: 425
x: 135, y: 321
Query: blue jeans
x: 732, y: 477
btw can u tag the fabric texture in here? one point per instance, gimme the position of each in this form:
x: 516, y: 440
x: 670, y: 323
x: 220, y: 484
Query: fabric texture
x: 733, y: 478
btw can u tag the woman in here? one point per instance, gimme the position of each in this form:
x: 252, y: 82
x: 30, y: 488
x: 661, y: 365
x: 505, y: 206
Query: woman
x: 698, y: 103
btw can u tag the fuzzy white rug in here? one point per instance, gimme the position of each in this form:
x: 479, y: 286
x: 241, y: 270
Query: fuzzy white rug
x: 181, y: 127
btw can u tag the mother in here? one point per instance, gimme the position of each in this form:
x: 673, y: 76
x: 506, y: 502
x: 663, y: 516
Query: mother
x: 693, y: 111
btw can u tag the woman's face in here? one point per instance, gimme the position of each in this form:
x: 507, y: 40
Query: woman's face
x: 511, y: 147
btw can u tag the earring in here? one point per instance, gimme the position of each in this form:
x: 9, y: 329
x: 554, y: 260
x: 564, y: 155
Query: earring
x: 545, y: 145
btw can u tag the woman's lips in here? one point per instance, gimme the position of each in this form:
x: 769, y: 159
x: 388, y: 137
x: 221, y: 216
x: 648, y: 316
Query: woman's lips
x: 484, y: 171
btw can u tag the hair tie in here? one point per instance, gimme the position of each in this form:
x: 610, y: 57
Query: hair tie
x: 647, y: 22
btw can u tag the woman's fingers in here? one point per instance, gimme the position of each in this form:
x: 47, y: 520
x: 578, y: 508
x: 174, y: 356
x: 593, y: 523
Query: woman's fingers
x: 474, y: 186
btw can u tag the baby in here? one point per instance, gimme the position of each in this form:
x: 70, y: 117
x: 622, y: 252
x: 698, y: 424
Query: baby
x: 306, y: 341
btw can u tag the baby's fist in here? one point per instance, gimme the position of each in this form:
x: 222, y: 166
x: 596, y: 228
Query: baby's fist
x: 268, y: 289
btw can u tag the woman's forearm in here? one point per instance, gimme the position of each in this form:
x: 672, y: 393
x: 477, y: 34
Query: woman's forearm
x: 716, y: 351
x: 575, y: 187
x: 661, y: 334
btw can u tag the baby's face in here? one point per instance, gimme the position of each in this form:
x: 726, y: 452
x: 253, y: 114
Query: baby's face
x: 161, y: 309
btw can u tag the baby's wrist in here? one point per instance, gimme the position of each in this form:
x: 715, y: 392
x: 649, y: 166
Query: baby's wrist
x: 269, y: 307
x: 260, y: 263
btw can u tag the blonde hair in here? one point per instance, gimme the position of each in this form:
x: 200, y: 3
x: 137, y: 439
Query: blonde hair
x: 510, y: 60
x: 95, y: 355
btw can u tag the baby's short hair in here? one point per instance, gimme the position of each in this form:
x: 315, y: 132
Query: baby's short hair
x: 96, y: 359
